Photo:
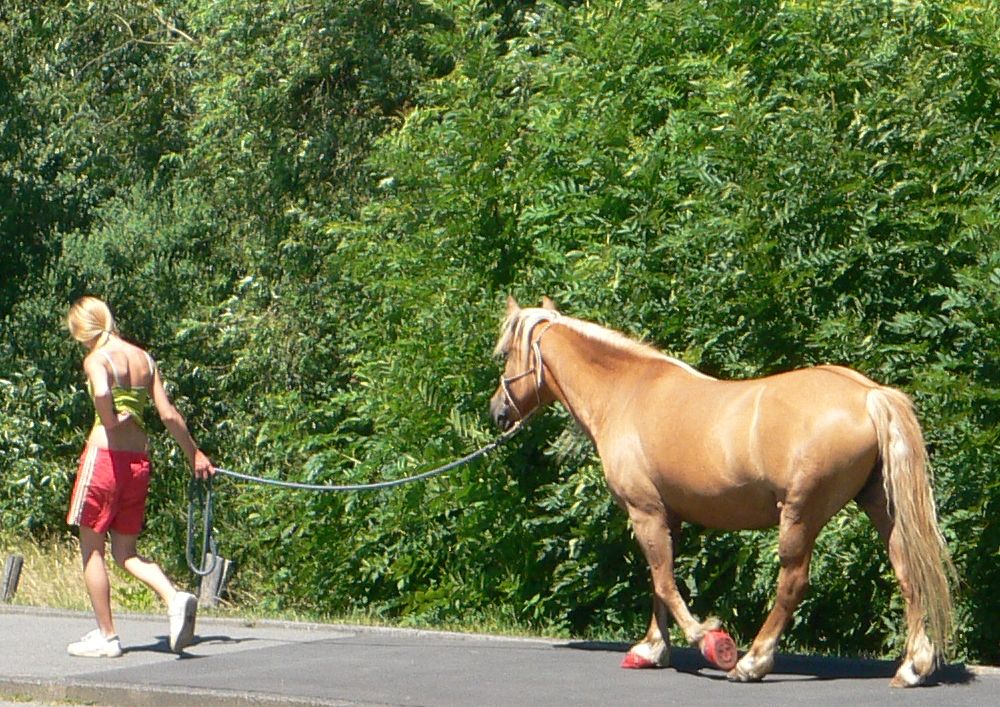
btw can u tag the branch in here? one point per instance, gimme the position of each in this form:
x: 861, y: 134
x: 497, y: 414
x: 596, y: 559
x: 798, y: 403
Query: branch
x: 170, y: 26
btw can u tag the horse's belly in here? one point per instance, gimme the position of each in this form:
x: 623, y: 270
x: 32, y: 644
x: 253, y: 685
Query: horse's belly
x: 719, y: 485
x: 741, y: 508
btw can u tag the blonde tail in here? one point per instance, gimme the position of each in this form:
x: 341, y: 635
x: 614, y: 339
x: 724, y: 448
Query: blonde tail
x: 907, y: 481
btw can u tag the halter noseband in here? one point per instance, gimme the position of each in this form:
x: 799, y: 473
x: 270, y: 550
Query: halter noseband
x: 538, y: 369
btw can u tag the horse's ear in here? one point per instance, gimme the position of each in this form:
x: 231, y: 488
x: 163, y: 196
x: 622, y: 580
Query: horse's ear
x: 512, y: 305
x: 548, y: 304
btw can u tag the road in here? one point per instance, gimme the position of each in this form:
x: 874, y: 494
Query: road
x: 238, y: 663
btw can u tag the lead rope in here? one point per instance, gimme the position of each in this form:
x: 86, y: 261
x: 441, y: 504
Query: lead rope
x: 200, y: 494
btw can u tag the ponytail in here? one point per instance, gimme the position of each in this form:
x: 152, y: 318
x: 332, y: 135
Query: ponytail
x: 90, y: 319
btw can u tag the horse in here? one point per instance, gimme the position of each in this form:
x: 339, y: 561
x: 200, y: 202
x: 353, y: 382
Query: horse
x: 787, y: 450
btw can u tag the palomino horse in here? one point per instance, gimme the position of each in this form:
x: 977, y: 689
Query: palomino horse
x: 787, y: 450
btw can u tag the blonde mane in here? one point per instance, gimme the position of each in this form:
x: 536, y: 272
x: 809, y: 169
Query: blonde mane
x: 514, y: 332
x: 515, y: 328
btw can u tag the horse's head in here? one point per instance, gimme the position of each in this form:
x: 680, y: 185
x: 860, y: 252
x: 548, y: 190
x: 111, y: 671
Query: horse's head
x: 523, y: 388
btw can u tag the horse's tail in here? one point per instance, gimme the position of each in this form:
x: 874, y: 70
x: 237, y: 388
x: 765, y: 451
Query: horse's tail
x: 907, y: 481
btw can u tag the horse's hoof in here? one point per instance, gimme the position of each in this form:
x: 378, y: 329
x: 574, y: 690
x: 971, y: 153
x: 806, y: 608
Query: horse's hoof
x: 719, y: 649
x: 906, y: 676
x: 736, y: 675
x: 634, y: 661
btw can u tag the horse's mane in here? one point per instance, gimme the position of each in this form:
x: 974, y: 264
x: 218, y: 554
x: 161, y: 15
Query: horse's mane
x: 515, y: 328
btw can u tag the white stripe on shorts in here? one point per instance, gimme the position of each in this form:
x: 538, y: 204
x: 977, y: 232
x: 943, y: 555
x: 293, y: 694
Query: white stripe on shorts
x: 86, y: 475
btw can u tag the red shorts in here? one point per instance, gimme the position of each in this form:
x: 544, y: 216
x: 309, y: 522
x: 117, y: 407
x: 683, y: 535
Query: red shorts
x: 110, y: 491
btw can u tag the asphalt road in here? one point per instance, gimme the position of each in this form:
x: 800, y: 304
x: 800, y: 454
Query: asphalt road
x: 235, y: 663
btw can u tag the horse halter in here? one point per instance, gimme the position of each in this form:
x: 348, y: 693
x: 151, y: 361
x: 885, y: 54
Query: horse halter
x: 538, y: 369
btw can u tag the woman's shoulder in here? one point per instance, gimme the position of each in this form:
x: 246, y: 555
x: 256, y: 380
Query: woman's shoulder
x: 94, y: 358
x: 95, y: 366
x: 131, y: 348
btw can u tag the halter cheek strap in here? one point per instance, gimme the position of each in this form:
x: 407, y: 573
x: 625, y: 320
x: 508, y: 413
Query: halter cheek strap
x: 538, y: 369
x: 505, y: 384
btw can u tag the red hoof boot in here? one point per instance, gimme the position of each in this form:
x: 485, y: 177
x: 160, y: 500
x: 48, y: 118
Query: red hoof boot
x: 633, y: 661
x: 719, y: 650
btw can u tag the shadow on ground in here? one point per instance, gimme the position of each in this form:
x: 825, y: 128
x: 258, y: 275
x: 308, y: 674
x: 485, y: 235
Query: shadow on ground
x: 690, y: 660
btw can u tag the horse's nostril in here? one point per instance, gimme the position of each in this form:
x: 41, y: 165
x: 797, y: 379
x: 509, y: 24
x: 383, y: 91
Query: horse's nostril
x: 501, y: 419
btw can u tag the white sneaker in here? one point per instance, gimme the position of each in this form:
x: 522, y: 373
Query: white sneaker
x: 182, y: 613
x: 96, y: 645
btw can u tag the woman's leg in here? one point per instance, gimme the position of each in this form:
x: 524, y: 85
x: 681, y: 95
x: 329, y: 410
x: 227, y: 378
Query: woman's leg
x: 123, y: 548
x: 95, y: 577
x: 181, y: 606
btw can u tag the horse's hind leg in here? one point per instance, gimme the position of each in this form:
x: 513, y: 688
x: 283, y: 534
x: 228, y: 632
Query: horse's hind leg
x: 657, y: 535
x: 796, y: 538
x: 919, y: 660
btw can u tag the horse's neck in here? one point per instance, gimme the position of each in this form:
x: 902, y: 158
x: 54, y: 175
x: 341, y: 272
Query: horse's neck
x: 583, y: 370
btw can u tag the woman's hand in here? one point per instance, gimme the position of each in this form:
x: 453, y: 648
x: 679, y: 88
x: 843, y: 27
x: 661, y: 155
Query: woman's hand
x: 120, y: 418
x: 203, y: 467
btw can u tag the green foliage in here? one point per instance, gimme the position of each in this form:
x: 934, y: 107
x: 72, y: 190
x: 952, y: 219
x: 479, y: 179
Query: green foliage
x: 312, y: 214
x: 34, y: 426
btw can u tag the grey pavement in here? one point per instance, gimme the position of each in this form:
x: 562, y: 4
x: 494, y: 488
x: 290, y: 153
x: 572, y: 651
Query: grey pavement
x: 239, y: 663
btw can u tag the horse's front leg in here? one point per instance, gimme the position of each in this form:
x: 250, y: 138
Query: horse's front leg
x: 658, y: 535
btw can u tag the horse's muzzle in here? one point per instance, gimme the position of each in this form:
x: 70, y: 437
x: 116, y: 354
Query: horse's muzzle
x: 500, y: 411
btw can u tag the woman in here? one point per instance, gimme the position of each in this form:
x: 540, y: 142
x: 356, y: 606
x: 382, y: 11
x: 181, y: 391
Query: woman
x: 113, y: 479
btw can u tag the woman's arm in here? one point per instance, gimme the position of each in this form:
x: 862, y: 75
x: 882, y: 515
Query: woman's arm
x: 178, y: 429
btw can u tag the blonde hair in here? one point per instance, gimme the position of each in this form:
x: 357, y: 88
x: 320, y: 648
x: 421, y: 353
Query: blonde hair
x: 90, y: 318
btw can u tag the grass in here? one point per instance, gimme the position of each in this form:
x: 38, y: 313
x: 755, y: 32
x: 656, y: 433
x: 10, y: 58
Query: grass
x: 52, y: 577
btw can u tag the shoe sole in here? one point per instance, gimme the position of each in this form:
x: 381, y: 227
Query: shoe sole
x: 186, y: 634
x: 95, y: 654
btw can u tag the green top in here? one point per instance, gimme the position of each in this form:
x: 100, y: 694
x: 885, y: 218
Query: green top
x: 130, y: 400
